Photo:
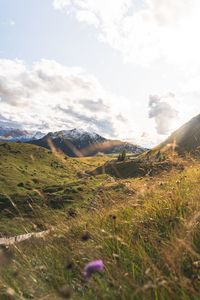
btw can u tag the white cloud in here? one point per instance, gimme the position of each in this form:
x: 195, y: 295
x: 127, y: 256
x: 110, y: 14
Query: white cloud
x: 50, y: 96
x: 60, y: 4
x: 153, y: 30
x: 87, y: 17
x: 169, y: 12
x: 162, y: 110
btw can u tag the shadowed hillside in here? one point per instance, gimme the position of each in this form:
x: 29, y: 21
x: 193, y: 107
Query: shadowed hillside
x: 186, y: 139
x: 138, y: 167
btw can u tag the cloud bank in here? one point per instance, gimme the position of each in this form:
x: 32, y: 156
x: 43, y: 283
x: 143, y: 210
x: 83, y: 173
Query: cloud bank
x: 50, y: 96
x: 143, y: 31
x: 163, y: 111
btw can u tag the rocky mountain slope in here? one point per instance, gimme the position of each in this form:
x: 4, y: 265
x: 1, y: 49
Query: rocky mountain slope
x: 77, y: 143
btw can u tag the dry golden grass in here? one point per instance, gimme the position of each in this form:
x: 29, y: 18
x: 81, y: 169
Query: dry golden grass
x: 146, y: 230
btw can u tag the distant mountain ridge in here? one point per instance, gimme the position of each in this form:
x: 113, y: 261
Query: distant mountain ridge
x: 78, y: 142
x: 14, y: 135
x: 74, y: 134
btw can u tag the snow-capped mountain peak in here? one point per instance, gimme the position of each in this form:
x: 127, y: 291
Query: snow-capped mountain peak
x: 14, y: 135
x: 74, y: 134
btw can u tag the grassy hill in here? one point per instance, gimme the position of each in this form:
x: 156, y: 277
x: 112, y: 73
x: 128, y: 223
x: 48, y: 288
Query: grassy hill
x: 24, y: 166
x: 182, y: 143
x: 31, y: 176
x: 145, y: 229
x: 140, y: 166
x: 186, y: 139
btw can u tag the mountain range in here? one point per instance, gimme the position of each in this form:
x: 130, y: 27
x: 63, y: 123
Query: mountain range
x: 14, y: 135
x: 74, y: 142
x: 77, y: 143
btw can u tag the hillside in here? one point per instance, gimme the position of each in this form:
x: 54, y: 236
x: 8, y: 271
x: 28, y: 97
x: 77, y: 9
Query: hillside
x: 78, y: 143
x: 146, y: 232
x: 138, y: 167
x: 186, y: 139
x: 24, y: 165
x: 28, y: 172
x: 143, y: 224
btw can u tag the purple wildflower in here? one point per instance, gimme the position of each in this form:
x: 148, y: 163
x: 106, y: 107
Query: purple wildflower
x: 93, y: 267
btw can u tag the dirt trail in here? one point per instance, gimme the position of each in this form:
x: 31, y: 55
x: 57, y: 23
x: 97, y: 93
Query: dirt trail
x: 23, y: 237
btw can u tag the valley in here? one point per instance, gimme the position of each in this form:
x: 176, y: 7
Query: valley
x: 143, y: 225
x: 99, y: 150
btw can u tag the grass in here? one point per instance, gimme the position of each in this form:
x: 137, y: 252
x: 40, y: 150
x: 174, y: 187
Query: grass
x: 146, y: 230
x: 24, y: 167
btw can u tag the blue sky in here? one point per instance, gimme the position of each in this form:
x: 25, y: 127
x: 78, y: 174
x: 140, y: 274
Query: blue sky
x: 131, y: 56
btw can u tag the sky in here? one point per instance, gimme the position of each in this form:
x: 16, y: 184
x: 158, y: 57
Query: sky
x: 127, y: 69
